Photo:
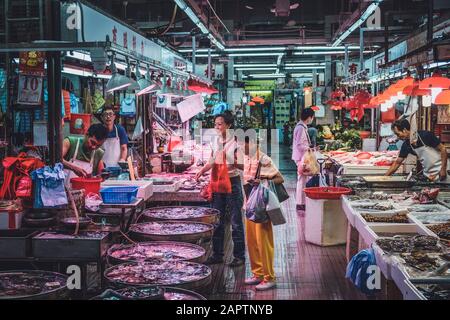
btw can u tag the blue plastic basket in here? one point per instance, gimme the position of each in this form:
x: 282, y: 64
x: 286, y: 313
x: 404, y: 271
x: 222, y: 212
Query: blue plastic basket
x: 119, y: 195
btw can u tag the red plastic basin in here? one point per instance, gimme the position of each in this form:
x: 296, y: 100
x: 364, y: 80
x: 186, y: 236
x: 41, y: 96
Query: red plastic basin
x: 329, y: 193
x: 88, y: 184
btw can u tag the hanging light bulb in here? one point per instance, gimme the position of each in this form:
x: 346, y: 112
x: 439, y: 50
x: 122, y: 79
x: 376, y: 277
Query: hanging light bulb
x: 117, y: 81
x: 146, y: 84
x: 426, y: 101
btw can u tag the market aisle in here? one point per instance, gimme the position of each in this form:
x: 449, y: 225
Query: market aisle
x: 304, y: 271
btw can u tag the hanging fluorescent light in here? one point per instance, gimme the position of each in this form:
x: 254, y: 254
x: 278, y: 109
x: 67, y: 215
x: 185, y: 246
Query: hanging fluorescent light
x: 302, y: 75
x: 305, y: 68
x: 117, y: 81
x: 369, y: 11
x: 255, y: 54
x: 146, y: 84
x: 206, y: 56
x: 309, y: 53
x: 270, y: 75
x: 255, y: 65
x: 304, y: 64
x: 240, y: 49
x: 257, y: 68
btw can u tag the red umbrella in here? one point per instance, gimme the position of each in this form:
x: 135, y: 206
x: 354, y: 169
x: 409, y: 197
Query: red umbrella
x: 415, y: 91
x: 369, y: 106
x: 443, y: 97
x: 258, y: 100
x: 315, y: 108
x: 337, y: 94
x: 251, y: 104
x: 336, y: 107
x: 435, y: 81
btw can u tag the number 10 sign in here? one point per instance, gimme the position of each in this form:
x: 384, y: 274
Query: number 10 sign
x: 30, y: 90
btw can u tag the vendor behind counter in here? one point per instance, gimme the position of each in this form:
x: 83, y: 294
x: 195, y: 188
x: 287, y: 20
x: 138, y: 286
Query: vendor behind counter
x: 431, y: 153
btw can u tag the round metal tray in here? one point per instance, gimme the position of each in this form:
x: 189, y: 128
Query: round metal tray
x: 168, y: 266
x: 58, y: 293
x: 114, y: 261
x: 206, y: 215
x: 182, y: 237
x: 194, y: 295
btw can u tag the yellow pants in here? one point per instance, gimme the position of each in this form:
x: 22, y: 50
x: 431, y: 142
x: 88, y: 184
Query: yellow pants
x: 260, y: 249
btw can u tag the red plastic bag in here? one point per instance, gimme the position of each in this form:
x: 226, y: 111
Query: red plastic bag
x: 388, y: 116
x: 24, y: 188
x: 220, y: 180
x: 206, y: 192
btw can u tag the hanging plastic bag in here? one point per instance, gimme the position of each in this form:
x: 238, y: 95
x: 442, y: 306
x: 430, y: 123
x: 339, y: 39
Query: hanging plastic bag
x: 25, y: 188
x: 220, y: 180
x: 279, y: 190
x: 49, y: 187
x: 273, y: 207
x: 138, y: 130
x: 308, y: 165
x: 128, y: 107
x: 256, y: 210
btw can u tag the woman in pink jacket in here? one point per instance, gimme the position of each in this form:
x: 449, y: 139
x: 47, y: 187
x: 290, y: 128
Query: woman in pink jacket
x: 300, y: 144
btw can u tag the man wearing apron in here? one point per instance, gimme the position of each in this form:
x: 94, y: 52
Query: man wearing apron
x: 300, y: 145
x: 431, y: 153
x: 82, y: 156
x: 116, y: 144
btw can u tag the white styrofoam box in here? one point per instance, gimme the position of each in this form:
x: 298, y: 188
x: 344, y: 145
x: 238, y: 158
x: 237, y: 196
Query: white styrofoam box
x: 411, y: 292
x: 373, y: 228
x: 145, y: 187
x: 10, y: 220
x: 383, y: 261
x: 429, y: 218
x: 369, y: 144
x: 348, y: 210
x: 173, y: 187
x: 325, y: 222
x: 425, y: 207
x: 399, y: 275
x: 367, y: 169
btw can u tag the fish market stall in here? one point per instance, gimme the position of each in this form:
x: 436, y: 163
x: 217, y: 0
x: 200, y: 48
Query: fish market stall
x: 397, y: 227
x: 363, y: 162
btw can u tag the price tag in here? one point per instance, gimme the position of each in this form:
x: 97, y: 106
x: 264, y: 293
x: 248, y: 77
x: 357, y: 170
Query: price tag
x: 30, y: 90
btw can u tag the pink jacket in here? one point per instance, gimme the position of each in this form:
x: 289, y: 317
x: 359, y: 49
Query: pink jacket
x: 300, y: 141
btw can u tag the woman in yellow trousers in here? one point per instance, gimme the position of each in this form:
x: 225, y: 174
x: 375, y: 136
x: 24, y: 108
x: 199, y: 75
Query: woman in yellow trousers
x: 259, y: 236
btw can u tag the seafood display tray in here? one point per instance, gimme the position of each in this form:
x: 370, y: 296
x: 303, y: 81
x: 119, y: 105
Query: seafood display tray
x: 16, y: 244
x: 372, y: 231
x: 87, y: 245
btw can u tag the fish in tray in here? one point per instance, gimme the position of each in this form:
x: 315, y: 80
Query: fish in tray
x: 179, y: 213
x: 408, y: 244
x: 400, y: 217
x: 428, y: 208
x: 364, y: 205
x: 157, y: 273
x: 171, y: 228
x: 17, y: 283
x: 428, y: 218
x: 442, y: 230
x: 435, y: 292
x: 422, y: 261
x: 157, y: 250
